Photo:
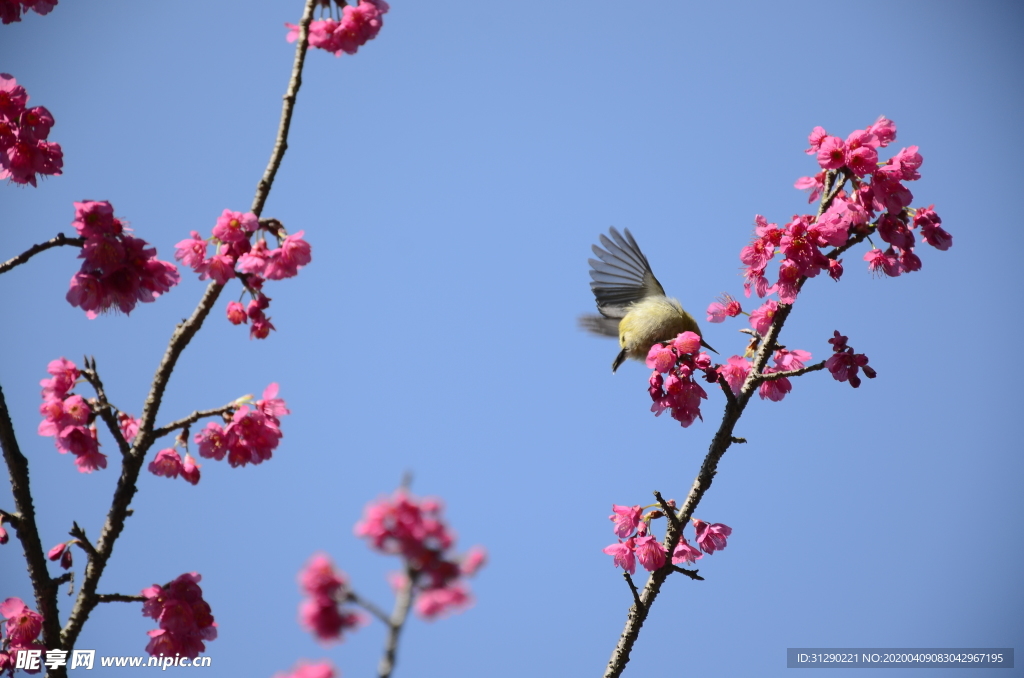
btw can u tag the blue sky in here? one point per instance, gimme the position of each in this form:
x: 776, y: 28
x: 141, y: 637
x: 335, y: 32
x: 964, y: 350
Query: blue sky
x: 451, y: 178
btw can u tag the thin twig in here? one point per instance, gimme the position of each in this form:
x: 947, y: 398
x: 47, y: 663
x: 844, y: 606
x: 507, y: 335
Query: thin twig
x: 632, y: 587
x: 403, y: 601
x: 692, y: 574
x: 119, y: 598
x: 26, y: 530
x: 771, y: 376
x: 193, y: 418
x: 353, y: 597
x: 22, y: 258
x: 105, y: 410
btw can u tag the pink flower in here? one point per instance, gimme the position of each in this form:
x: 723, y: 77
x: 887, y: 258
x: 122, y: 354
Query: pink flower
x: 220, y: 268
x: 305, y: 669
x: 236, y: 313
x: 835, y: 268
x: 735, y: 371
x: 192, y: 252
x: 476, y: 557
x: 791, y: 360
x: 235, y: 226
x: 190, y: 469
x: 774, y: 389
x: 815, y: 138
x: 320, y: 579
x: 661, y: 358
x: 286, y: 260
x: 815, y: 185
x: 908, y: 160
x: 65, y: 374
x: 931, y: 231
x: 184, y: 618
x: 884, y: 131
x: 326, y: 620
x: 761, y: 319
x: 626, y: 518
x: 23, y: 624
x: 95, y: 219
x: 724, y: 307
x: 56, y: 552
x: 255, y: 260
x: 649, y: 552
x: 622, y: 555
x: 832, y: 153
x: 788, y: 285
x: 844, y: 364
x: 167, y: 463
x: 883, y: 263
x: 439, y: 602
x: 687, y: 343
x: 684, y: 553
x: 711, y: 538
x: 212, y: 442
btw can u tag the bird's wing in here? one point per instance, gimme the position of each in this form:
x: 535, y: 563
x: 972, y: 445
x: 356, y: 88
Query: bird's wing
x: 600, y: 325
x: 622, y: 276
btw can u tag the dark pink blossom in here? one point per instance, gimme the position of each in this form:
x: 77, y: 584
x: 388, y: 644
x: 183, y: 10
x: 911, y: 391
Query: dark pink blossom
x: 724, y: 307
x: 236, y: 313
x: 884, y: 131
x: 711, y: 538
x: 774, y: 389
x: 184, y: 618
x: 883, y: 263
x: 735, y: 371
x: 932, y: 233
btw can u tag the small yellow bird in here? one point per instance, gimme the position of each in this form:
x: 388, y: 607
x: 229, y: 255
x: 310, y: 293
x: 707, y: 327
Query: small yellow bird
x: 631, y: 301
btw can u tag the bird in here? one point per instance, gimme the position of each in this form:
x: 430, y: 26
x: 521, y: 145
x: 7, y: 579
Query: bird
x: 632, y: 303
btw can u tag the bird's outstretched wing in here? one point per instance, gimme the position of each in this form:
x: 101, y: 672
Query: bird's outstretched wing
x: 622, y: 276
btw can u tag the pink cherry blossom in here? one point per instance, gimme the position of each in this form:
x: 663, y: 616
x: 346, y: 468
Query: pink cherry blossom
x: 931, y: 232
x: 286, y: 260
x: 626, y: 519
x: 832, y: 153
x: 442, y: 601
x: 884, y: 131
x: 774, y: 389
x: 724, y: 307
x: 236, y: 313
x: 735, y: 371
x: 711, y: 538
x: 684, y: 553
x: 622, y: 555
x: 649, y: 552
x: 761, y: 318
x: 23, y: 624
x: 184, y: 618
x: 235, y: 226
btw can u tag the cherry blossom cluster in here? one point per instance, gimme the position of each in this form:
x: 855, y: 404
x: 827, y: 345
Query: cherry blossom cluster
x: 24, y: 150
x: 236, y: 256
x: 118, y: 270
x: 636, y: 543
x: 305, y: 669
x: 10, y: 10
x: 21, y: 629
x: 844, y: 363
x: 878, y: 203
x: 677, y: 391
x: 736, y: 369
x: 69, y: 418
x: 357, y: 26
x: 250, y: 436
x: 322, y: 613
x: 184, y: 617
x: 415, y: 530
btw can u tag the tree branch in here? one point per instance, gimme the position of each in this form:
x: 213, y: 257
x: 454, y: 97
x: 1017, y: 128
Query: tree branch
x: 403, y: 601
x: 191, y: 419
x: 27, y: 531
x: 57, y: 241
